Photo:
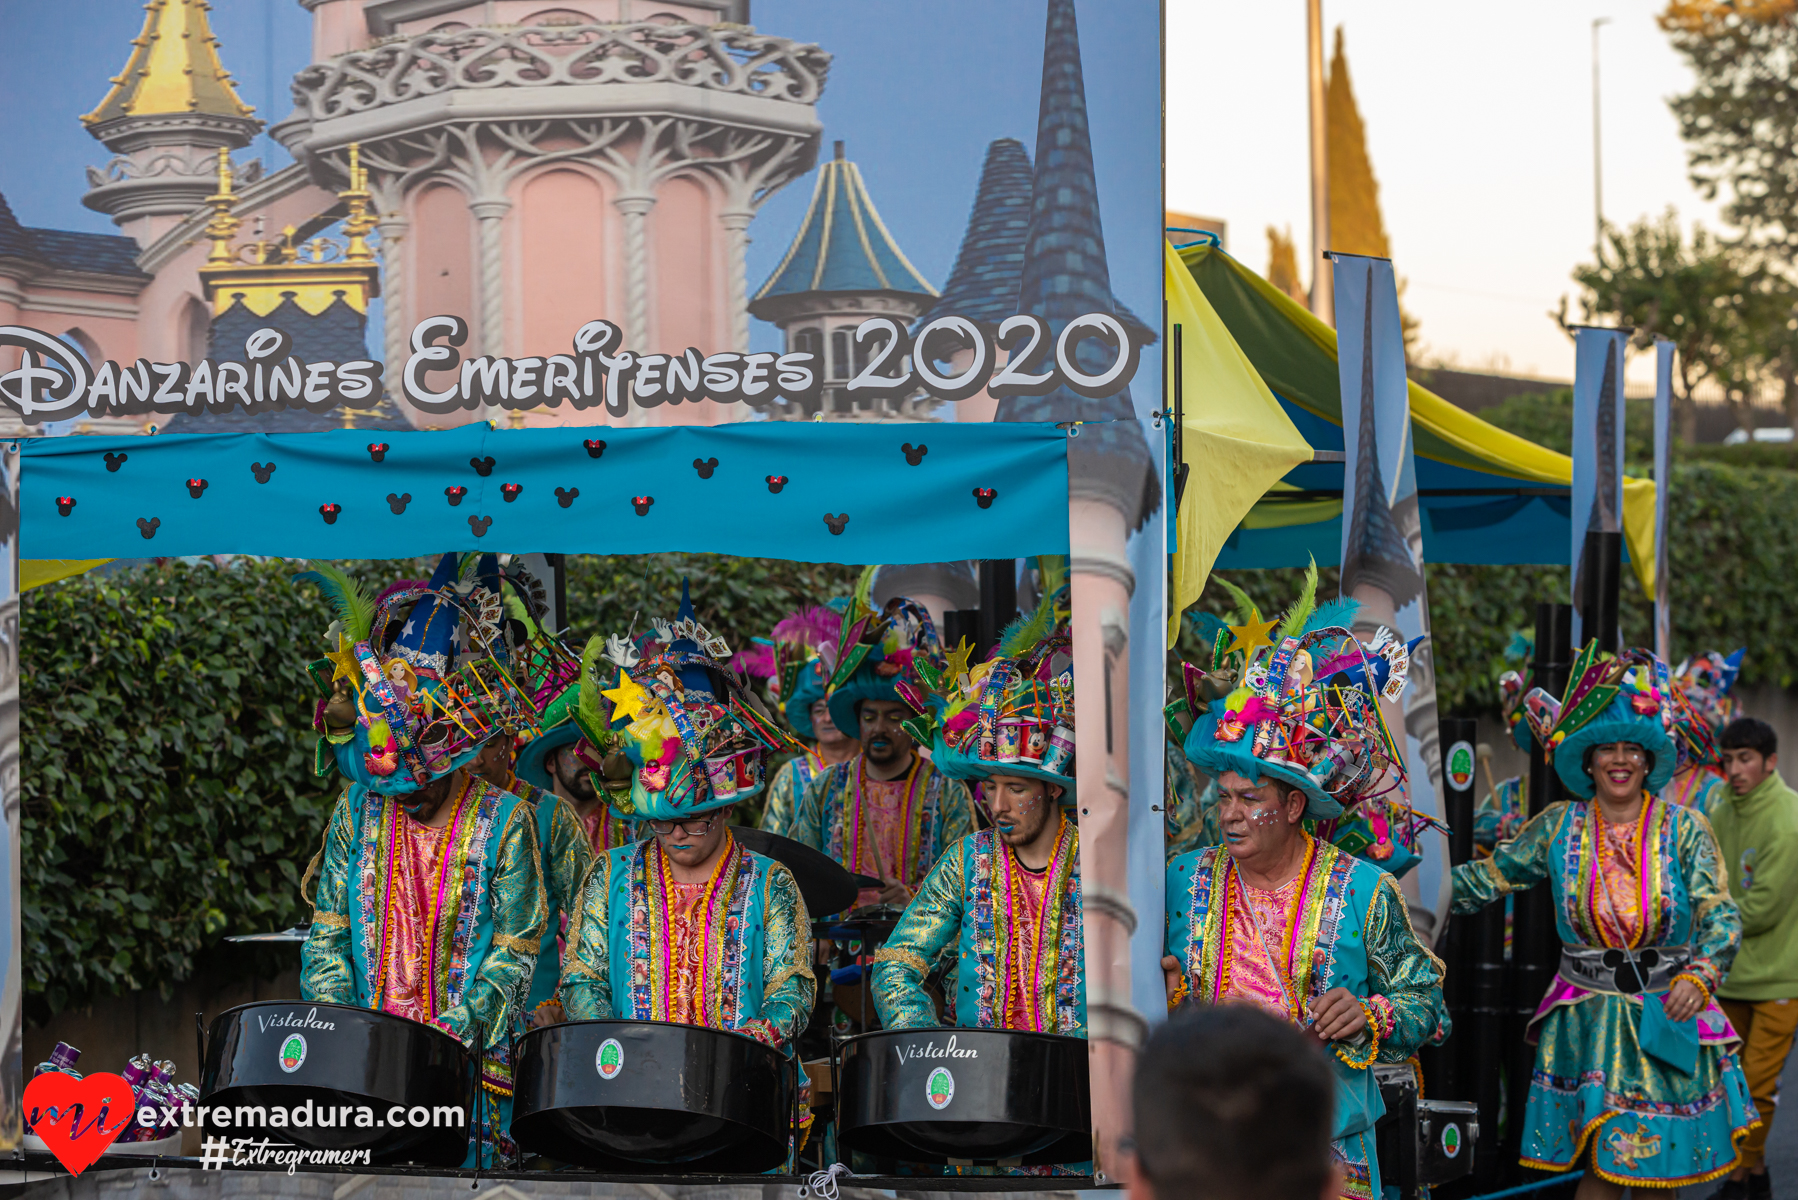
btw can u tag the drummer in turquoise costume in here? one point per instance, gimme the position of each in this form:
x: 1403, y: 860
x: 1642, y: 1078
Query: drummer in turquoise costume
x: 426, y: 666
x: 888, y: 812
x: 798, y: 663
x: 1278, y: 917
x: 687, y: 925
x: 1703, y: 706
x: 1636, y: 1077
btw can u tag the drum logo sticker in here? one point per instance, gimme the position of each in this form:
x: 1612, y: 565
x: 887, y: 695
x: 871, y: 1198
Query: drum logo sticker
x: 293, y: 1052
x: 1451, y: 1140
x: 1460, y: 766
x: 940, y: 1089
x: 610, y: 1059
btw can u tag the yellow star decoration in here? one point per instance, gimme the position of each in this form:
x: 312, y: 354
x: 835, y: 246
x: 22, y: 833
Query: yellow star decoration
x: 627, y: 698
x: 958, y: 660
x: 343, y: 661
x: 1252, y: 636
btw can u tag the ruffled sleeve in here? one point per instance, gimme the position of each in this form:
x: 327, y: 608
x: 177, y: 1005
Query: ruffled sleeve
x: 568, y: 855
x: 789, y: 987
x: 519, y: 913
x: 1515, y: 865
x: 586, y: 987
x: 1404, y: 974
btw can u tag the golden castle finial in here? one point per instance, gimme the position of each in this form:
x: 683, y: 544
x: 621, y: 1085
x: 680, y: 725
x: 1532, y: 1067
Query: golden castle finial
x: 174, y: 68
x: 361, y: 219
x: 224, y: 224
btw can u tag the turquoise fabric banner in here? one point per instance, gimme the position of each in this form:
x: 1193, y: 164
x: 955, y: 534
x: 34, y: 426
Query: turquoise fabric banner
x: 837, y: 492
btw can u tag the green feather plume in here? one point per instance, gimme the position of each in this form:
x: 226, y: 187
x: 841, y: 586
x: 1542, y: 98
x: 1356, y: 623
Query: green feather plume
x: 595, y: 723
x: 1302, y: 608
x: 864, y: 590
x: 1245, y: 607
x: 353, y: 606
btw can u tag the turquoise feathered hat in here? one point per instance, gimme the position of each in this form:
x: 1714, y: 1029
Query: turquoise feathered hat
x: 1014, y: 713
x: 696, y: 737
x: 1302, y: 703
x: 875, y: 651
x: 1609, y: 698
x: 532, y: 763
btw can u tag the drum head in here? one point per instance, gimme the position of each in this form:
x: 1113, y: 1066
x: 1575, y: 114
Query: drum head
x: 635, y: 1096
x: 931, y: 1095
x: 322, y: 1066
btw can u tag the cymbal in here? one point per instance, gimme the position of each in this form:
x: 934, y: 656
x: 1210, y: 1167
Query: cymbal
x: 825, y: 885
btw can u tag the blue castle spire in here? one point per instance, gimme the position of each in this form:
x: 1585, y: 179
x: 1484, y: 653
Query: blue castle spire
x: 1065, y: 274
x: 990, y: 264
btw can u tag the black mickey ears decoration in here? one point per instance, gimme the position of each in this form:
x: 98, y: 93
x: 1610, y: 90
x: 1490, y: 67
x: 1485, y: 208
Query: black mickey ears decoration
x: 482, y: 466
x: 262, y: 471
x: 398, y: 503
x: 114, y: 462
x: 64, y: 504
x: 705, y: 467
x: 914, y: 454
x: 776, y: 482
x: 510, y: 491
x: 197, y: 487
x: 595, y: 447
x: 147, y: 528
x: 641, y: 504
x: 378, y: 450
x: 455, y: 495
x: 837, y: 522
x: 565, y: 496
x: 480, y: 525
x: 329, y: 512
x: 984, y: 497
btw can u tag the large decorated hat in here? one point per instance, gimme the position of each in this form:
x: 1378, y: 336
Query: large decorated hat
x: 1010, y: 715
x: 426, y: 665
x: 799, y: 660
x: 1303, y: 704
x: 875, y: 650
x: 694, y: 734
x: 1513, y: 686
x: 1704, y: 684
x: 1609, y: 698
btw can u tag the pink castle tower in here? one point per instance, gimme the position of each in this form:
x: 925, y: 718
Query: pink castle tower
x: 534, y: 168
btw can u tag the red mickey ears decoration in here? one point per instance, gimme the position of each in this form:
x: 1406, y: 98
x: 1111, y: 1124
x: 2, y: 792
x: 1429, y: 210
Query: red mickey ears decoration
x: 455, y: 494
x: 510, y: 491
x: 329, y: 512
x: 197, y: 487
x: 776, y: 482
x: 64, y: 504
x: 378, y: 450
x: 595, y: 447
x: 641, y: 504
x: 984, y: 497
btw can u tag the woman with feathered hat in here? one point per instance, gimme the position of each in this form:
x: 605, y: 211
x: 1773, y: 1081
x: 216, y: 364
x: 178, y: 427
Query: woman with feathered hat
x: 1636, y: 1076
x: 799, y: 663
x: 686, y: 925
x: 422, y: 668
x: 1278, y: 917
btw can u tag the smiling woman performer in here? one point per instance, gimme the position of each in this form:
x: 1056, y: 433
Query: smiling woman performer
x: 1633, y: 1057
x: 1279, y: 918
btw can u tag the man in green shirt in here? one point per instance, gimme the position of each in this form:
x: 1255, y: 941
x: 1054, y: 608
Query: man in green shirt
x: 1757, y: 832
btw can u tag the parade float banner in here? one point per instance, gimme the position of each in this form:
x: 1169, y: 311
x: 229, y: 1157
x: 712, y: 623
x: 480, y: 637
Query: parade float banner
x: 1663, y: 483
x: 1382, y: 555
x: 1597, y: 448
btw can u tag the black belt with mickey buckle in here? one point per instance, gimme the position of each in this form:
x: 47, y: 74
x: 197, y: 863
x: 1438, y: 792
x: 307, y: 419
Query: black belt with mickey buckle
x: 1624, y: 972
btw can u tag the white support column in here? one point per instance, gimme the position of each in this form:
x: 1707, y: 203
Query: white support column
x: 490, y: 214
x: 635, y: 208
x: 736, y: 231
x: 393, y: 228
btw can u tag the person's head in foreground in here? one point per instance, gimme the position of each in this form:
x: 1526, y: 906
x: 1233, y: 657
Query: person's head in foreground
x: 1231, y: 1104
x: 1750, y: 751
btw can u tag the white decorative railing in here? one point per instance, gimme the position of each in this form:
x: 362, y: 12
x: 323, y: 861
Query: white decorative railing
x: 722, y: 59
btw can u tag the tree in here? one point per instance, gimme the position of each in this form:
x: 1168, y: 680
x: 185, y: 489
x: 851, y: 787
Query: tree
x: 1740, y: 122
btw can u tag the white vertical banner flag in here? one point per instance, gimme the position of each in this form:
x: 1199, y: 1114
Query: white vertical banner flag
x: 1382, y: 555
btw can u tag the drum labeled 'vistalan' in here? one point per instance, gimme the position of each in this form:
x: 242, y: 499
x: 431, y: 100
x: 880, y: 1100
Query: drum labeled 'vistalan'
x: 344, y: 1078
x: 965, y: 1095
x: 645, y: 1095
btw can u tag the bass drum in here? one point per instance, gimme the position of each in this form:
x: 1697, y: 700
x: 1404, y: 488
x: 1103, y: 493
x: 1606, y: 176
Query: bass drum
x: 314, y: 1060
x: 632, y: 1096
x: 976, y: 1095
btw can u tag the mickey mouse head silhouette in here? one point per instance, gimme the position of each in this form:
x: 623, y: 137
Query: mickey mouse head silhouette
x: 114, y: 462
x: 148, y: 528
x: 480, y: 525
x: 262, y: 471
x: 641, y: 504
x: 329, y: 512
x: 64, y: 504
x: 378, y: 450
x: 398, y: 503
x: 565, y: 496
x: 837, y: 522
x: 595, y: 447
x: 776, y: 482
x: 455, y: 495
x: 984, y: 497
x: 510, y: 491
x: 482, y: 466
x: 705, y: 467
x: 914, y: 454
x: 197, y: 487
